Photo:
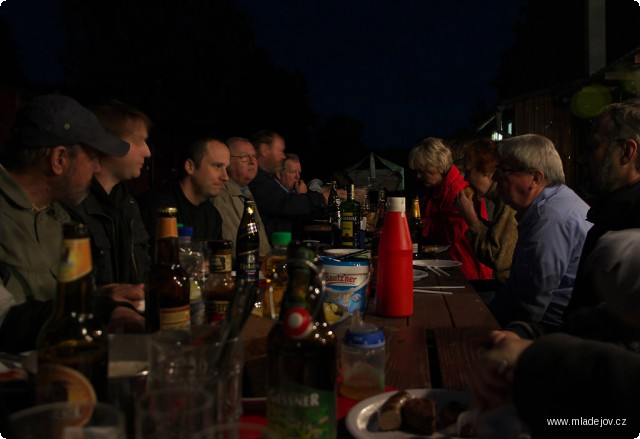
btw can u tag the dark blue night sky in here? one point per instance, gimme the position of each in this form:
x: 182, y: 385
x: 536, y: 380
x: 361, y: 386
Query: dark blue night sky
x: 405, y: 68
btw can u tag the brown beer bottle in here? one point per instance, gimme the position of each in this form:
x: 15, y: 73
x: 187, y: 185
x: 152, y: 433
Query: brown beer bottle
x: 248, y: 245
x: 219, y: 286
x: 168, y: 293
x: 375, y: 241
x: 72, y: 346
x: 301, y: 353
x: 415, y: 226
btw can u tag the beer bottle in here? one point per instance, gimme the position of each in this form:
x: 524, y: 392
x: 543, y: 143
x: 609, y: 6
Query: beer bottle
x: 248, y: 245
x: 375, y: 241
x: 350, y: 220
x: 73, y: 346
x: 274, y: 270
x: 415, y: 226
x: 334, y: 213
x: 168, y: 297
x: 301, y: 357
x: 219, y: 286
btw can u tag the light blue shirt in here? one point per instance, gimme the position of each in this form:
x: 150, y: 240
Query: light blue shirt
x: 551, y: 233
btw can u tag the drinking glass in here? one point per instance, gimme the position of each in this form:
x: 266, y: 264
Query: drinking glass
x: 174, y: 413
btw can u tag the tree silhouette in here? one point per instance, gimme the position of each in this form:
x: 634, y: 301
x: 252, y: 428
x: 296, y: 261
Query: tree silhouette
x: 192, y: 65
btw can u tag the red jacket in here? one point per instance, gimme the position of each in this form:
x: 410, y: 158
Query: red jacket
x: 444, y: 225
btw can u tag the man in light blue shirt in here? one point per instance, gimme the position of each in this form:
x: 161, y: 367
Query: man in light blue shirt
x: 552, y: 227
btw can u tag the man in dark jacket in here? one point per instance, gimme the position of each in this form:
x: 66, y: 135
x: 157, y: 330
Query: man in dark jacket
x: 615, y: 170
x: 120, y: 242
x: 281, y: 211
x: 203, y: 173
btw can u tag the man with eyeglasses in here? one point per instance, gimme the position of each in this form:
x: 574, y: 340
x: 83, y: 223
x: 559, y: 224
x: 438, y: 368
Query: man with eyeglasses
x: 551, y: 231
x: 230, y: 201
x: 281, y: 211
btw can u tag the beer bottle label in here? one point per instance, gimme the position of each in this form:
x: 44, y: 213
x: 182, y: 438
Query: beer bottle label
x: 216, y: 310
x: 75, y: 261
x: 294, y: 410
x: 175, y: 318
x: 56, y: 382
x: 248, y: 266
x: 219, y: 263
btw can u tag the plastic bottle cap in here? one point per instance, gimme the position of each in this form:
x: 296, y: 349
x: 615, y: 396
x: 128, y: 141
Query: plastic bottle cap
x: 396, y: 204
x: 364, y: 336
x: 185, y: 231
x: 281, y: 238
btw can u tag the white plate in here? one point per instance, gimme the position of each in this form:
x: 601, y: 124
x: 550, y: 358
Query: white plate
x: 440, y: 263
x: 362, y: 419
x: 419, y: 274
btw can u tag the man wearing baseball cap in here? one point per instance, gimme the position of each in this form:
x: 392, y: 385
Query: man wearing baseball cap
x: 51, y: 158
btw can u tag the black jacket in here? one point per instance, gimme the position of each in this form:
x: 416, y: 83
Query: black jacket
x: 617, y: 211
x: 282, y: 211
x: 119, y: 239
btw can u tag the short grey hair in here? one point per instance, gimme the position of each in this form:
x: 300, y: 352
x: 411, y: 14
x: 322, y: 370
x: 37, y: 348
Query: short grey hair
x: 621, y: 120
x: 431, y: 154
x: 534, y: 152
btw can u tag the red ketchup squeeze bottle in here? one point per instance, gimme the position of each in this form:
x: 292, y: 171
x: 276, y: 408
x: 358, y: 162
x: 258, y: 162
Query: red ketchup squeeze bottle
x: 394, y: 293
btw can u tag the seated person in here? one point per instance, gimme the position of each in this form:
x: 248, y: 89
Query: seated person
x: 493, y: 241
x: 289, y: 175
x: 282, y: 211
x: 442, y: 222
x: 230, y: 201
x: 563, y: 376
x: 119, y: 240
x: 50, y: 159
x: 202, y: 176
x: 551, y: 231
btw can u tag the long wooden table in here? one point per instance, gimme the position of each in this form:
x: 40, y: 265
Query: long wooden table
x: 435, y: 346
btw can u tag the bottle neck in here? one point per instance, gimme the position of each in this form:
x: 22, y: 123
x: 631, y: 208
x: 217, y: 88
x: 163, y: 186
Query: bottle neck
x: 167, y: 246
x: 75, y: 278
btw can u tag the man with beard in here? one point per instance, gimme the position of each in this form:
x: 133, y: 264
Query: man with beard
x: 50, y: 159
x: 614, y: 163
x: 230, y: 202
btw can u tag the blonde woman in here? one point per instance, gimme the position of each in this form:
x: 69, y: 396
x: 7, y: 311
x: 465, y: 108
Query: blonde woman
x: 442, y: 222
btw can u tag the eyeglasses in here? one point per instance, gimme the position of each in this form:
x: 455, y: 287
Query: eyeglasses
x: 244, y: 158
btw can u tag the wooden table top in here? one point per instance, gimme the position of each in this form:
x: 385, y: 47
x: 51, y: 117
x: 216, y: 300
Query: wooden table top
x: 435, y: 346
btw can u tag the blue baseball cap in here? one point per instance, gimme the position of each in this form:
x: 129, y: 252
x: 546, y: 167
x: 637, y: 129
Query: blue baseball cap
x: 53, y: 120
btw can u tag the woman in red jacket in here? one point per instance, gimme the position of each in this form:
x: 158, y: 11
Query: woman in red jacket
x: 442, y: 222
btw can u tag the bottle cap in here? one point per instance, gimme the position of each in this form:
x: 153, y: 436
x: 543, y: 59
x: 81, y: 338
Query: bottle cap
x: 396, y: 204
x: 364, y: 336
x: 281, y: 238
x: 185, y: 231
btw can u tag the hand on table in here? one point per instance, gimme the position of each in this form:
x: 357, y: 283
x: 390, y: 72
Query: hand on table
x: 130, y: 293
x: 123, y: 318
x: 491, y: 377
